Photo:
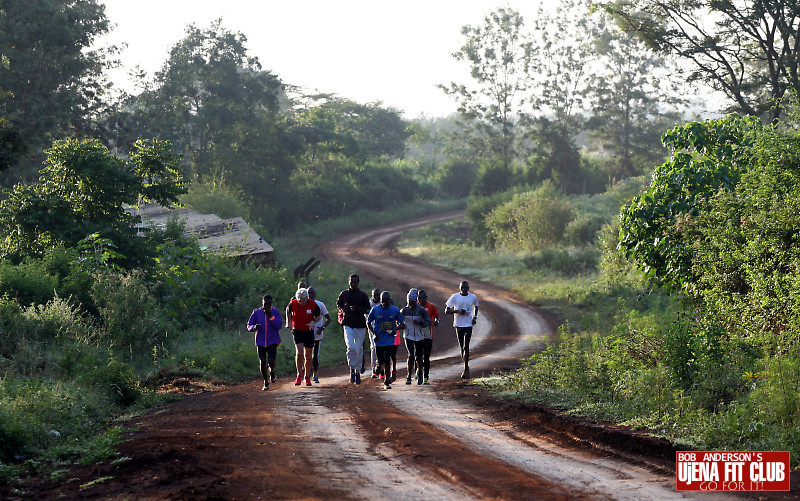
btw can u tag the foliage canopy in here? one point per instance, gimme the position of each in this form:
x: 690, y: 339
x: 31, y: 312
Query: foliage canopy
x: 747, y: 49
x: 82, y: 191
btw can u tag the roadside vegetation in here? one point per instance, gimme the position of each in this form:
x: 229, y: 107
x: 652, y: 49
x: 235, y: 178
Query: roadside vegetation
x: 678, y: 297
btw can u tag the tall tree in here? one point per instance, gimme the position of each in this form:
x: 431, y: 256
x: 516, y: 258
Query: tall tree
x: 207, y: 88
x: 336, y: 127
x: 54, y: 78
x: 747, y: 49
x: 11, y: 143
x: 632, y: 97
x: 562, y: 55
x: 500, y: 59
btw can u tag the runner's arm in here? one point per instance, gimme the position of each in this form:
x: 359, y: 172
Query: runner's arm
x: 276, y: 320
x: 426, y: 318
x: 252, y: 324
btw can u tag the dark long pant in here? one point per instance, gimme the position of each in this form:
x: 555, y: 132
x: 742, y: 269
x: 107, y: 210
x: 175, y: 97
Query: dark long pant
x: 427, y: 347
x: 415, y: 353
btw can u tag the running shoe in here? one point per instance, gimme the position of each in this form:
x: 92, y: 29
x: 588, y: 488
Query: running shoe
x: 419, y: 378
x: 394, y: 376
x: 266, y: 386
x: 308, y: 381
x: 383, y: 376
x: 408, y: 381
x: 465, y: 374
x: 387, y: 386
x: 352, y: 375
x: 358, y: 378
x: 273, y: 376
x: 315, y: 379
x: 374, y: 375
x: 298, y: 380
x: 425, y: 381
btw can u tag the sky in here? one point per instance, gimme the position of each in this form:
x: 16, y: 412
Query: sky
x: 364, y: 50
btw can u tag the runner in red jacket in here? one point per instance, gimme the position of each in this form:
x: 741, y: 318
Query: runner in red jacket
x: 427, y: 343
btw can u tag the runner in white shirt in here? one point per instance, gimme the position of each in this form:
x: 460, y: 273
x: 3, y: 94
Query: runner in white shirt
x: 464, y: 308
x: 319, y: 331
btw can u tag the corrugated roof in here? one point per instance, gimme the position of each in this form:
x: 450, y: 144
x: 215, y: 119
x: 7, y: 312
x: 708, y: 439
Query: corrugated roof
x: 233, y: 237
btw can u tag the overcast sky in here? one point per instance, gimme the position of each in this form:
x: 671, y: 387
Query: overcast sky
x: 364, y: 50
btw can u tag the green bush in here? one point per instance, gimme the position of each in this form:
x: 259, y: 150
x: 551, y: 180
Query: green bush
x: 457, y: 176
x: 116, y: 381
x: 563, y: 262
x: 27, y: 282
x: 131, y: 318
x: 212, y: 196
x: 477, y: 211
x: 493, y: 177
x: 583, y: 229
x: 533, y: 220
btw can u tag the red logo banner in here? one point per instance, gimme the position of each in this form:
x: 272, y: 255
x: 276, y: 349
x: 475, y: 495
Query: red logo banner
x: 732, y: 470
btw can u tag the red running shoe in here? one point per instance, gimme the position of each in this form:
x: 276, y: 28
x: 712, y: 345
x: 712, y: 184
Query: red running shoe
x: 308, y: 381
x: 298, y: 380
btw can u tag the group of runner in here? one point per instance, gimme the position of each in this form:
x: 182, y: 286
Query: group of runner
x: 359, y: 314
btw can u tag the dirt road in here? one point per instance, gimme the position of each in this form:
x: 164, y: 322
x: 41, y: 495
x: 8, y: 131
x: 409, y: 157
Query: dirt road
x: 336, y: 440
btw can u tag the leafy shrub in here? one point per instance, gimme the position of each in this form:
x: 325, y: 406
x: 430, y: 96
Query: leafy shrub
x: 477, y: 211
x: 456, y: 177
x: 709, y: 158
x: 531, y: 221
x: 563, y: 262
x: 27, y: 283
x: 116, y: 381
x: 583, y: 229
x: 493, y: 178
x: 211, y: 196
x: 27, y: 331
x: 129, y: 312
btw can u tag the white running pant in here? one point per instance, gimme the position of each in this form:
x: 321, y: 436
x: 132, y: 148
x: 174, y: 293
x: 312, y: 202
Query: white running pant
x: 354, y: 339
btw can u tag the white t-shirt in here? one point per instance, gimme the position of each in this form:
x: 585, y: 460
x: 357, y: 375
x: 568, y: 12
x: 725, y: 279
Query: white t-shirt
x: 318, y: 331
x: 460, y: 302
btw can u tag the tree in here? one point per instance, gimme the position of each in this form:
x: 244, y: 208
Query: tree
x: 54, y: 76
x: 500, y: 58
x: 562, y: 63
x: 379, y: 131
x: 708, y: 158
x: 631, y: 95
x: 11, y: 143
x: 747, y: 49
x: 457, y: 176
x: 558, y: 91
x: 747, y: 259
x: 82, y: 192
x: 205, y: 93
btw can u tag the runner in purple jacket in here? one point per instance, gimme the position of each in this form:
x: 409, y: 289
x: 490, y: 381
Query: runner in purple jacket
x: 266, y: 322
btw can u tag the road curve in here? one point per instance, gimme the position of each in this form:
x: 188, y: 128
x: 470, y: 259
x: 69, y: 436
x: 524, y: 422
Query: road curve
x: 508, y: 330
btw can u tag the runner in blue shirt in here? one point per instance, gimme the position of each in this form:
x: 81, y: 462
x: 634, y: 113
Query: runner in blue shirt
x: 383, y: 323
